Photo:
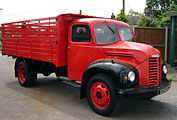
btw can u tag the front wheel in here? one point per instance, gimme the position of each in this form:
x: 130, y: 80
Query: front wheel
x: 25, y: 77
x: 100, y: 94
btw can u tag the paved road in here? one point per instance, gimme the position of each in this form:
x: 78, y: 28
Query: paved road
x: 52, y: 99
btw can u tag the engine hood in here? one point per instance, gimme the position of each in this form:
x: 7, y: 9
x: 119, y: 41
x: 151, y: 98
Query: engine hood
x: 133, y: 52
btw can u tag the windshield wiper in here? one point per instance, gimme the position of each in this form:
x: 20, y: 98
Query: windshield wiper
x: 109, y: 27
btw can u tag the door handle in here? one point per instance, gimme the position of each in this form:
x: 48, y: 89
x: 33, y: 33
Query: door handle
x: 69, y: 47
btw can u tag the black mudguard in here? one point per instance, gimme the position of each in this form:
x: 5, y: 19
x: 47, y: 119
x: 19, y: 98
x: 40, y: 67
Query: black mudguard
x: 116, y: 70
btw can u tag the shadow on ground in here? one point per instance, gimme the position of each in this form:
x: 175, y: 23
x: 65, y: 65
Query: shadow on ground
x: 66, y: 98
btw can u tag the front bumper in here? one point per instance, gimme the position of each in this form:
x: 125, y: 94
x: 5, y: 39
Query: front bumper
x: 141, y: 92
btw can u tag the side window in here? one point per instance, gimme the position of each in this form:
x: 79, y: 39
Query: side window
x: 81, y: 33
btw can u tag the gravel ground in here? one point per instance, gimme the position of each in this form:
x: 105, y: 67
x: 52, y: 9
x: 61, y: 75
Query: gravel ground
x: 172, y: 73
x: 55, y: 100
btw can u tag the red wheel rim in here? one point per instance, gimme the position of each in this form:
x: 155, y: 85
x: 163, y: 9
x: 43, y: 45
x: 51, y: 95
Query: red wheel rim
x: 22, y: 74
x: 100, y: 95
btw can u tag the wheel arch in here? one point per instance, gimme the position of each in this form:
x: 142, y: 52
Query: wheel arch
x: 110, y: 70
x: 116, y: 70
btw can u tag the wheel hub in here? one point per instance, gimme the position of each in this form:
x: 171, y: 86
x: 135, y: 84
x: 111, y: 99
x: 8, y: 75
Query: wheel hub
x: 100, y: 95
x: 22, y: 74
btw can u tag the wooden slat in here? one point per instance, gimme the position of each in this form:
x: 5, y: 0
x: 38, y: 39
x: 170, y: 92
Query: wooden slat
x: 31, y: 39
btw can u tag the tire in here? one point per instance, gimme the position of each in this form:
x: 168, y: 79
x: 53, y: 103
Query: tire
x: 101, y: 94
x: 25, y: 78
x: 148, y: 98
x: 58, y: 76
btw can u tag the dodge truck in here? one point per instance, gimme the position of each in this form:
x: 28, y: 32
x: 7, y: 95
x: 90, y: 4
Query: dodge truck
x: 99, y: 53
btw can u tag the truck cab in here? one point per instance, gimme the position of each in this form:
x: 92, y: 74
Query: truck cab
x: 92, y: 40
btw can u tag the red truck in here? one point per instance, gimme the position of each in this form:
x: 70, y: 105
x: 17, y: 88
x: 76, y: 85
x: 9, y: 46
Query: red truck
x: 100, y: 53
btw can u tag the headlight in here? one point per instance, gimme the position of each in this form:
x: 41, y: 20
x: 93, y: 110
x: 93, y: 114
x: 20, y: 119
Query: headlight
x: 131, y: 76
x: 165, y: 70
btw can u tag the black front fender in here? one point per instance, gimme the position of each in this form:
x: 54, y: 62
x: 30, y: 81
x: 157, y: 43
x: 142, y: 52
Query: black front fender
x: 116, y: 70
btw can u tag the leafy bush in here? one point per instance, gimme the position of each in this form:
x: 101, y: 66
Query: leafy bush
x: 145, y: 21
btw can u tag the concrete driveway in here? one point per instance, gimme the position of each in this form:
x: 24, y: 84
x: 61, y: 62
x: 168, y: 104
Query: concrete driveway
x: 52, y: 99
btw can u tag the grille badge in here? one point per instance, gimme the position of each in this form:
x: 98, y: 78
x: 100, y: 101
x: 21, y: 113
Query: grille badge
x: 156, y: 56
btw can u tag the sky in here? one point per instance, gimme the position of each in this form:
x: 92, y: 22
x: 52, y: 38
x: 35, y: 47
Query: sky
x: 17, y: 10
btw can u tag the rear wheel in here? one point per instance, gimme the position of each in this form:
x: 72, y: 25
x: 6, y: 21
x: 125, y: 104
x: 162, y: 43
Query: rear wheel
x: 58, y: 76
x: 25, y: 77
x: 100, y: 94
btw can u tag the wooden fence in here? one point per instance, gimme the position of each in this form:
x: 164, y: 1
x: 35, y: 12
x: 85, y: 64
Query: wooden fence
x: 156, y: 38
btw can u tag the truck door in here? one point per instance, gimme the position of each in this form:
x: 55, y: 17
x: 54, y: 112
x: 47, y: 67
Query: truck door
x: 80, y: 49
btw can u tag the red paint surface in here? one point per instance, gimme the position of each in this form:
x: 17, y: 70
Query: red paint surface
x: 100, y: 95
x: 22, y: 74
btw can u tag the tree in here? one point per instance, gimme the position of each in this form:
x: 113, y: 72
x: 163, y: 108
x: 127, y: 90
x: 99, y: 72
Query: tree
x: 133, y: 13
x: 121, y: 16
x: 164, y: 18
x: 158, y: 10
x: 156, y: 7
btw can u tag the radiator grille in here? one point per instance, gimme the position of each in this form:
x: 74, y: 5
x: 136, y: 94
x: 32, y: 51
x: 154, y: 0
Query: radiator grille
x: 154, y: 71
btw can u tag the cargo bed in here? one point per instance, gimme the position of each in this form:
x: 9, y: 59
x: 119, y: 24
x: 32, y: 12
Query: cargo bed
x: 42, y: 39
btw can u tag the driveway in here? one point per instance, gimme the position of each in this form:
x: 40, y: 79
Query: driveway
x: 52, y: 99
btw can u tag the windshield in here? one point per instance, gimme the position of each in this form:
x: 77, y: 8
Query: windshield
x: 125, y: 33
x: 106, y: 33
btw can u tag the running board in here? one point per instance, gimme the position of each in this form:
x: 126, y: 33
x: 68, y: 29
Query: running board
x: 70, y: 82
